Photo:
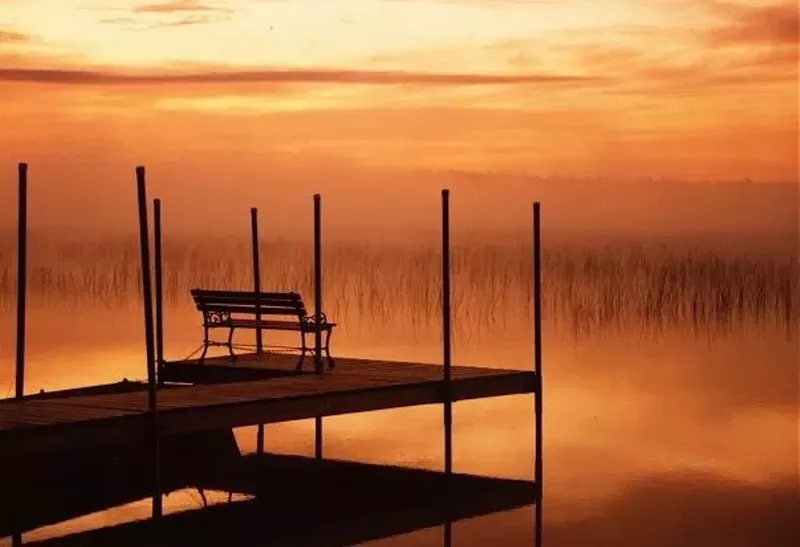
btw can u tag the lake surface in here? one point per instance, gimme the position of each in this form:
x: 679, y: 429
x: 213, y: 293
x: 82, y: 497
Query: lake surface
x: 671, y: 384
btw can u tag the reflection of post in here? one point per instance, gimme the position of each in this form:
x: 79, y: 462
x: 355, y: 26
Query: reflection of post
x: 317, y: 312
x: 144, y: 240
x: 257, y: 289
x: 537, y: 363
x: 22, y: 275
x: 159, y: 282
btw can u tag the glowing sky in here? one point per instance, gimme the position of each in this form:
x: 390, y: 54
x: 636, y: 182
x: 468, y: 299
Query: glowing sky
x: 697, y: 89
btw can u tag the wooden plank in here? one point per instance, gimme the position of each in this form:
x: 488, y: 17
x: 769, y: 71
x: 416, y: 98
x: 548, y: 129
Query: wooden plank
x: 32, y: 413
x: 215, y: 293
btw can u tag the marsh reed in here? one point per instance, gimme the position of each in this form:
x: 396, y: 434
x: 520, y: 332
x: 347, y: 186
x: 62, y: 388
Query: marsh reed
x: 586, y: 287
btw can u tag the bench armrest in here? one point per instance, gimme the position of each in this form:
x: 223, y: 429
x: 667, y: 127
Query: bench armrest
x: 216, y: 317
x: 311, y: 320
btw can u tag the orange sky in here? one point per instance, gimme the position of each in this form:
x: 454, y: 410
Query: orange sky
x: 695, y: 89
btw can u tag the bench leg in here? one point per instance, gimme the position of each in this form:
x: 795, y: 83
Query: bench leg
x: 331, y: 362
x: 303, y: 350
x: 230, y: 344
x: 205, y: 345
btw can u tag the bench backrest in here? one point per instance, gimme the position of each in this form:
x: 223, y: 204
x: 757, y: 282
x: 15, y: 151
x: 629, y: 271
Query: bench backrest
x: 249, y: 303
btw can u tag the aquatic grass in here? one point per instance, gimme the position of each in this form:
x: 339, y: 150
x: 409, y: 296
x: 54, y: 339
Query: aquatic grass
x: 614, y: 286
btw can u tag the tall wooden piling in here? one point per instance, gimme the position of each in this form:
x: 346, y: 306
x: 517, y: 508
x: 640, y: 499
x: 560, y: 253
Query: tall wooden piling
x: 256, y: 272
x: 537, y: 367
x: 147, y: 294
x: 159, y: 286
x: 446, y: 360
x: 257, y: 289
x: 318, y: 312
x: 22, y: 277
x: 446, y: 333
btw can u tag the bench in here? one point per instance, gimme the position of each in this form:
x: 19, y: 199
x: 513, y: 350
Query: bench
x: 280, y: 311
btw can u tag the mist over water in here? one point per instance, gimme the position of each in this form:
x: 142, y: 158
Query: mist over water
x: 210, y: 194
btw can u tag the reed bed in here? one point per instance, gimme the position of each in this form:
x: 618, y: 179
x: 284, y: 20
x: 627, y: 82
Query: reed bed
x: 586, y: 288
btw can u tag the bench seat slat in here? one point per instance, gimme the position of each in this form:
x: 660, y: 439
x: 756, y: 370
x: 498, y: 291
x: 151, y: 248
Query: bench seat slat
x: 252, y: 310
x: 204, y: 293
x: 247, y: 301
x: 274, y: 325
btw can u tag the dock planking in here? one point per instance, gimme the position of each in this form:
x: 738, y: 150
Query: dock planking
x: 356, y: 385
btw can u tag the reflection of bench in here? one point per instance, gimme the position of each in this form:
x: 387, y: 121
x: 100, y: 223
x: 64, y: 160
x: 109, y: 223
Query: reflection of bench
x: 259, y: 311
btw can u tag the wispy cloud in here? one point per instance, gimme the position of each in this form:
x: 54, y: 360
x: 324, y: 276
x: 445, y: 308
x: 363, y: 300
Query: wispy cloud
x: 178, y: 6
x: 176, y: 13
x: 320, y: 76
x: 12, y: 37
x: 776, y: 24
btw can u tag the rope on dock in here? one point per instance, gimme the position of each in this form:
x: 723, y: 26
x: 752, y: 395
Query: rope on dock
x: 244, y: 347
x: 192, y: 354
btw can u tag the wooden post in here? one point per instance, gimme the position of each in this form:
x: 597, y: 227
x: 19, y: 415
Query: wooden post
x: 317, y: 281
x: 22, y: 277
x: 446, y: 359
x: 257, y: 289
x: 159, y: 282
x: 147, y: 294
x: 317, y: 312
x: 446, y: 333
x: 256, y: 271
x: 537, y: 367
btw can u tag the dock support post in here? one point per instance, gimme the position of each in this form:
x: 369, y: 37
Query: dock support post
x: 22, y: 278
x: 446, y: 333
x: 22, y: 275
x: 446, y: 358
x: 256, y: 272
x: 147, y: 294
x: 317, y: 312
x: 257, y: 289
x: 537, y: 365
x: 159, y: 287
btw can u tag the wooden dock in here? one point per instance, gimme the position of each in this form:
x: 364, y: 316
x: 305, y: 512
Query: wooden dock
x: 32, y: 425
x: 91, y: 427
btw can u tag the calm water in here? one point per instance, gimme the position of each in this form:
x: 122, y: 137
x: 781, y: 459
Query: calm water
x: 670, y: 373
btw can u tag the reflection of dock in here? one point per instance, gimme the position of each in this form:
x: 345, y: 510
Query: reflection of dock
x: 302, y: 501
x: 34, y: 425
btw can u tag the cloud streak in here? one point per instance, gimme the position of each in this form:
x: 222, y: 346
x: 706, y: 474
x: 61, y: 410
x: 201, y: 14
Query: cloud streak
x: 177, y: 13
x: 776, y: 24
x: 318, y: 76
x: 11, y: 37
x: 178, y: 6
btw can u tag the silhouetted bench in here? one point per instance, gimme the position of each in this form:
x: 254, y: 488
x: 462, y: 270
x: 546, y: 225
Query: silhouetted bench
x: 265, y: 311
